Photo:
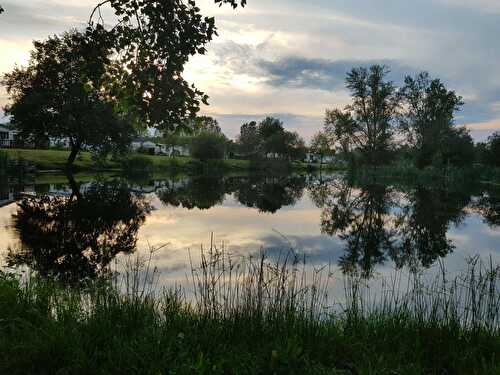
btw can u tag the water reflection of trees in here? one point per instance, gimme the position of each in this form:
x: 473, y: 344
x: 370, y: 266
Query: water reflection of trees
x: 72, y: 239
x: 423, y: 224
x: 488, y: 205
x: 198, y: 192
x: 377, y: 222
x: 359, y: 216
x: 268, y: 194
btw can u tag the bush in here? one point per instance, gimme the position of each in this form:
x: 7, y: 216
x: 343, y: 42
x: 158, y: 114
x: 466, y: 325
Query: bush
x: 138, y: 164
x: 4, y: 162
x: 208, y: 146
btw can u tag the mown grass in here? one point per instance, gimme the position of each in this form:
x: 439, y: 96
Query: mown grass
x: 45, y: 160
x: 248, y: 317
x: 55, y: 160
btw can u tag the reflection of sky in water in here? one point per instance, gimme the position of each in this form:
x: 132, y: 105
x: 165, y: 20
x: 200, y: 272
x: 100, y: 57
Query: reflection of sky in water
x: 245, y: 231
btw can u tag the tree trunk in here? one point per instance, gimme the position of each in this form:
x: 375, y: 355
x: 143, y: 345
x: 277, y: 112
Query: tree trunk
x: 72, y: 156
x: 75, y: 188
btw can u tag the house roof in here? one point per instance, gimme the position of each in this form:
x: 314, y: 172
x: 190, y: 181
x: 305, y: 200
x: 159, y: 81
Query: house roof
x: 8, y: 128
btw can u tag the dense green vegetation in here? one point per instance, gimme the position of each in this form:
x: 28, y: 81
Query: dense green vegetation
x: 4, y: 162
x: 257, y: 318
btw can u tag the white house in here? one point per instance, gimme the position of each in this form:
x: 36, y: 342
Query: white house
x: 7, y: 137
x: 312, y: 157
x: 159, y: 148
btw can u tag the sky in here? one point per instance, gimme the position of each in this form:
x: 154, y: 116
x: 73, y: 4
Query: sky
x: 288, y: 58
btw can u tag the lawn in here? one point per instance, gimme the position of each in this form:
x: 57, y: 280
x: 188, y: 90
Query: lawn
x: 47, y: 160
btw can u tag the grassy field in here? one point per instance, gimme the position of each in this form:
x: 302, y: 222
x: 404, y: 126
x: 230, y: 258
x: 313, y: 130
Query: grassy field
x: 45, y: 160
x: 255, y: 319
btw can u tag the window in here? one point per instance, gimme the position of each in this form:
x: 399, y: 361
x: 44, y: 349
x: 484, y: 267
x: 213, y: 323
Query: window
x: 4, y: 136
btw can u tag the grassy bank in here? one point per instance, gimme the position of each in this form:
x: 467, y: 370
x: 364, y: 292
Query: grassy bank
x: 55, y: 160
x: 411, y: 174
x: 256, y: 317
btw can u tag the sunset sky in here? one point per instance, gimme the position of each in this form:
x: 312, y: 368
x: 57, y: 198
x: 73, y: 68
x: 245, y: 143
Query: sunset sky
x: 288, y: 58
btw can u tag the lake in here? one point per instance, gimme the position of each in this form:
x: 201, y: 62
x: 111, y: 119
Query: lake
x: 76, y: 228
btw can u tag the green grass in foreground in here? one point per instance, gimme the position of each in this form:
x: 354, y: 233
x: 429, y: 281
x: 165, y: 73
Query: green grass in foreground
x: 252, y: 318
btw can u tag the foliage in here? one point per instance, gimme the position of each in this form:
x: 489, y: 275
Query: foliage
x: 137, y: 164
x: 457, y: 148
x: 152, y: 41
x: 59, y: 95
x: 256, y: 316
x: 269, y: 138
x: 368, y: 123
x: 205, y: 124
x: 322, y: 145
x: 208, y: 146
x: 4, y: 162
x: 249, y: 138
x: 491, y: 152
x: 429, y: 116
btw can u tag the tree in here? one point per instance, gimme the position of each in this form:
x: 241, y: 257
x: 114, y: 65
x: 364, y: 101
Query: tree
x: 295, y: 146
x: 249, y: 139
x: 152, y: 41
x: 208, y: 146
x: 493, y: 150
x: 367, y: 124
x: 206, y: 124
x: 457, y: 148
x: 270, y: 126
x: 59, y: 95
x: 429, y: 115
x: 322, y: 144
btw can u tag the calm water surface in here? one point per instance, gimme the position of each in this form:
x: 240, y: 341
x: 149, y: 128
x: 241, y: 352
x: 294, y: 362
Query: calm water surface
x: 75, y: 228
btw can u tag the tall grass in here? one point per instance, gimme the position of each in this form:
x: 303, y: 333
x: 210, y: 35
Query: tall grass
x: 260, y: 315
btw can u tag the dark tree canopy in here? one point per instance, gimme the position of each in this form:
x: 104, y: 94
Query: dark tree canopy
x: 249, y: 139
x: 368, y: 123
x: 153, y: 40
x: 60, y: 95
x: 208, y: 146
x: 493, y: 149
x: 429, y: 115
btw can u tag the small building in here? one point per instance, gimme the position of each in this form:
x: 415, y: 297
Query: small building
x: 312, y: 157
x: 154, y: 148
x: 8, y: 137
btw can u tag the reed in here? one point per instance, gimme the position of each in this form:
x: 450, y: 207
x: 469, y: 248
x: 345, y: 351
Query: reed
x: 253, y: 315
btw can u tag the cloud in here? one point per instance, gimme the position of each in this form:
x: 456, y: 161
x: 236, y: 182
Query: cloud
x: 290, y: 56
x: 488, y: 125
x: 296, y: 71
x: 487, y: 6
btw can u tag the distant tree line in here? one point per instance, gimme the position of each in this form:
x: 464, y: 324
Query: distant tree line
x: 383, y: 121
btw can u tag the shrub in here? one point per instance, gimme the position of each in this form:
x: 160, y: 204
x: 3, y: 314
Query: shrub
x: 138, y: 163
x: 4, y: 162
x: 208, y: 146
